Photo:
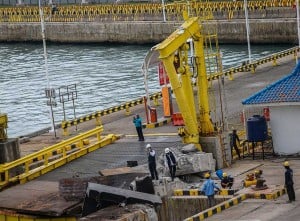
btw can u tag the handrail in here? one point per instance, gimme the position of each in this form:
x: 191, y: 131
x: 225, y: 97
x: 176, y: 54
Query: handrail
x: 52, y: 148
x: 253, y: 65
x: 124, y: 106
x: 43, y: 161
x: 126, y: 12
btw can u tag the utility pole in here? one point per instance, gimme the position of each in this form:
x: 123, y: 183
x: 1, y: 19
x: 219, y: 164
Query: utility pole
x: 50, y: 92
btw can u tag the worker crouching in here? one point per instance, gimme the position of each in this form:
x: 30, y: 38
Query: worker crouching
x: 227, y: 181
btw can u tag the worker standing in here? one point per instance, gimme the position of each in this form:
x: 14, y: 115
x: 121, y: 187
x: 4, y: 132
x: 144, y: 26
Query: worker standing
x: 137, y: 120
x: 289, y: 183
x: 170, y: 162
x: 208, y: 188
x: 234, y: 138
x: 152, y: 162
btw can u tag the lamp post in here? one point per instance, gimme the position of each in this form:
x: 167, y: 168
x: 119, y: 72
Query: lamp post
x: 164, y: 10
x: 50, y: 92
x: 247, y: 29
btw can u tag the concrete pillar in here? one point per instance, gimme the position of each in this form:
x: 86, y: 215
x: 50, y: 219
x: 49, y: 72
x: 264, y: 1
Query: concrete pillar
x: 9, y: 150
x: 213, y: 145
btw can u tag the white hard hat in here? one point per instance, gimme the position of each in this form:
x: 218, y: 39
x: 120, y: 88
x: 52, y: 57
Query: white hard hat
x: 167, y: 150
x: 148, y: 146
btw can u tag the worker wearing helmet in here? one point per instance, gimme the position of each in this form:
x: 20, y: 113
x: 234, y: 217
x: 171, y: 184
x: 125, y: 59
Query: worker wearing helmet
x: 227, y: 181
x: 208, y: 188
x: 170, y: 162
x: 234, y: 139
x: 258, y: 174
x: 289, y: 183
x: 152, y: 162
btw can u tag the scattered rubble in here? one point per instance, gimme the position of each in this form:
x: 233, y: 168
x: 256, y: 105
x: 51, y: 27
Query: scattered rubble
x: 133, y: 185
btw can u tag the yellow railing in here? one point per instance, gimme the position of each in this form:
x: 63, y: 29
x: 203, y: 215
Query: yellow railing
x: 133, y: 12
x: 43, y: 161
x: 254, y: 64
x: 125, y: 106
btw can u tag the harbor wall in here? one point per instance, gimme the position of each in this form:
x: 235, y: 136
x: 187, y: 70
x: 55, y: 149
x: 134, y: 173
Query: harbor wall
x: 229, y: 31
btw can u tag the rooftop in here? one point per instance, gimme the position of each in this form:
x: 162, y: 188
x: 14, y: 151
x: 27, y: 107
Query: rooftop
x: 286, y: 89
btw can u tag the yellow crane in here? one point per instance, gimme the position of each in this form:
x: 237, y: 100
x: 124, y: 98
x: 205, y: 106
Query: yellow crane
x: 173, y: 52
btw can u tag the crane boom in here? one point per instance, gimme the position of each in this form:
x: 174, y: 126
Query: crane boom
x: 173, y: 53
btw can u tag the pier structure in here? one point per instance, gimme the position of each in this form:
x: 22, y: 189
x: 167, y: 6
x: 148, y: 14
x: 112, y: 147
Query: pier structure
x: 42, y: 187
x: 84, y: 155
x: 268, y: 21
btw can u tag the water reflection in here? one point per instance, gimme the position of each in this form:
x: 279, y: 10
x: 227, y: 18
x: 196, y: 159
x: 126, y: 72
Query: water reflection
x: 105, y: 76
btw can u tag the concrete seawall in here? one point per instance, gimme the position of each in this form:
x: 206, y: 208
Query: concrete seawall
x: 263, y: 31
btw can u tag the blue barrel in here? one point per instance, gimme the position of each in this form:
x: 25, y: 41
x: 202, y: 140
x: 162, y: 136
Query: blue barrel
x: 219, y: 174
x: 257, y: 129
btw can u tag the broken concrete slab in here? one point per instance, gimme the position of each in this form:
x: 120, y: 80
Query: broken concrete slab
x: 140, y: 212
x: 75, y: 188
x: 188, y: 162
x: 99, y: 196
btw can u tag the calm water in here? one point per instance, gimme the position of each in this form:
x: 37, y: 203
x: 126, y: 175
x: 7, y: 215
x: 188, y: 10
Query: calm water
x: 105, y: 76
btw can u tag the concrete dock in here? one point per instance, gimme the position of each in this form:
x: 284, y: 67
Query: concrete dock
x: 128, y: 148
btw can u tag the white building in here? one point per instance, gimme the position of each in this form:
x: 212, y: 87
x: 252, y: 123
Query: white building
x: 283, y: 99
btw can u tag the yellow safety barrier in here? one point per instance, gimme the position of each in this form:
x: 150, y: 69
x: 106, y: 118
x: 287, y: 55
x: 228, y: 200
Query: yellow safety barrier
x: 48, y: 159
x: 217, y: 209
x: 197, y: 192
x: 136, y: 12
x: 234, y: 201
x: 252, y: 67
x: 125, y: 106
x: 269, y: 196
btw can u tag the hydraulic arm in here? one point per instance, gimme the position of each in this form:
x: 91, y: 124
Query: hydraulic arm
x: 173, y: 52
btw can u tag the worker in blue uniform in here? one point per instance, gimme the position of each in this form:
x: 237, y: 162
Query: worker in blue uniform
x: 137, y: 120
x: 289, y: 183
x: 208, y: 188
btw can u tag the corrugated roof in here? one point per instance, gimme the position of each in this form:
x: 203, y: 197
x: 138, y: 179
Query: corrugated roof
x: 287, y: 89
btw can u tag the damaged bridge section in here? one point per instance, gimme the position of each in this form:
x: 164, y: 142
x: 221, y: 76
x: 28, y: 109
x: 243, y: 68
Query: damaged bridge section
x: 100, y: 196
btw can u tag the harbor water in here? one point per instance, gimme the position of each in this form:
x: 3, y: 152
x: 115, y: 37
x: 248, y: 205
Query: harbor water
x: 105, y: 76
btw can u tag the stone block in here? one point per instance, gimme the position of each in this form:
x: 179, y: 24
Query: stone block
x: 9, y: 150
